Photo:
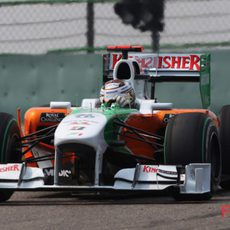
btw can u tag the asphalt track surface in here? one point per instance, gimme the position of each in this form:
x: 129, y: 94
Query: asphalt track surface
x: 49, y: 210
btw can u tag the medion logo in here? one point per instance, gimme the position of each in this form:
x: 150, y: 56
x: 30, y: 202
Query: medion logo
x: 52, y: 117
x: 48, y: 172
x: 63, y: 173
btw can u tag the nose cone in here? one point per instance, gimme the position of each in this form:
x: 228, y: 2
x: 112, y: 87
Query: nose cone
x: 84, y: 128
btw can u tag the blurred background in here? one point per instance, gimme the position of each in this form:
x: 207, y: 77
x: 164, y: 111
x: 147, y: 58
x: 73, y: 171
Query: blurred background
x: 51, y: 49
x: 73, y: 24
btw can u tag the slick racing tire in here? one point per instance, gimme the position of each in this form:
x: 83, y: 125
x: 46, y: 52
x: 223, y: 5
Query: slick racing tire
x: 225, y: 143
x: 193, y: 138
x: 10, y: 148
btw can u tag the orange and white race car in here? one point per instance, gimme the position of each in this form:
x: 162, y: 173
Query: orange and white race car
x: 97, y: 146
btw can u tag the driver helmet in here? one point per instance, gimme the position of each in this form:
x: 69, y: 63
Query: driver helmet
x: 120, y: 92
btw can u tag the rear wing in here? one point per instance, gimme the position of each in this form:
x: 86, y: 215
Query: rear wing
x: 152, y: 67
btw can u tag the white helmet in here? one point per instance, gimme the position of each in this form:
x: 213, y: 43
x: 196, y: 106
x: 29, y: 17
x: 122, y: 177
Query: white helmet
x: 119, y: 92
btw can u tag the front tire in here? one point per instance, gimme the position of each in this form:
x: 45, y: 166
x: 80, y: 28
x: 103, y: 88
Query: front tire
x: 225, y: 144
x: 10, y: 148
x: 193, y: 138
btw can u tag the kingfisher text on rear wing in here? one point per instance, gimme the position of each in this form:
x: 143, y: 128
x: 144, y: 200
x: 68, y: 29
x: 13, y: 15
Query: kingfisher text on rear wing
x: 188, y: 62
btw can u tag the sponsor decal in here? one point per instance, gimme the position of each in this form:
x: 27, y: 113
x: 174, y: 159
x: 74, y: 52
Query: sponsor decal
x: 9, y: 168
x: 51, y: 117
x: 64, y: 173
x: 85, y: 115
x: 149, y: 169
x: 167, y: 117
x: 167, y: 172
x: 75, y: 134
x: 77, y: 128
x: 48, y: 172
x: 189, y: 62
x: 80, y: 122
x: 83, y: 123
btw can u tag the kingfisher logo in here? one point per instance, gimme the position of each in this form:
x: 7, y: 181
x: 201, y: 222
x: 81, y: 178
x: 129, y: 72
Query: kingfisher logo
x: 189, y: 62
x: 149, y: 169
x: 10, y: 168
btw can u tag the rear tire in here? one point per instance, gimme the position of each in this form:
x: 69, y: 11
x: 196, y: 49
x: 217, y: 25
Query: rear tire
x: 225, y: 143
x: 193, y: 138
x: 10, y: 148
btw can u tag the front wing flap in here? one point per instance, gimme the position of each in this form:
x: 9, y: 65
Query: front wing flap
x: 193, y: 179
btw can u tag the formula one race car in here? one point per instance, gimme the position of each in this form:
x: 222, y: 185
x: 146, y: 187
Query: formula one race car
x: 95, y: 147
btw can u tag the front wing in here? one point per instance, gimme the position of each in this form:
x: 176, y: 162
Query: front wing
x: 192, y: 179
